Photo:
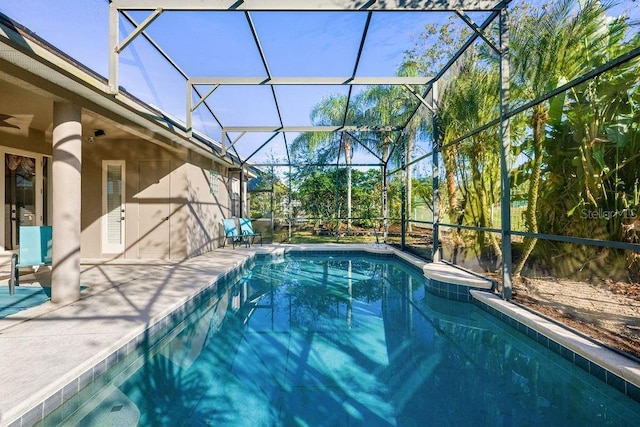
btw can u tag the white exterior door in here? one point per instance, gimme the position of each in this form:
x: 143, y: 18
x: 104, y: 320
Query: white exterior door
x: 113, y: 206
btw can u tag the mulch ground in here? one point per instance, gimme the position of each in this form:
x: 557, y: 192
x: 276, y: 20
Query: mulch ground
x: 608, y: 312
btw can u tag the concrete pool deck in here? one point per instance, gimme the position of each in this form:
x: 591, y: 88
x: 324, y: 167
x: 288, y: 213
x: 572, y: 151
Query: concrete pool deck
x: 44, y: 350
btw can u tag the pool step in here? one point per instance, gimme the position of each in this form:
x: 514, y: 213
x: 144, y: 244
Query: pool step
x: 448, y: 281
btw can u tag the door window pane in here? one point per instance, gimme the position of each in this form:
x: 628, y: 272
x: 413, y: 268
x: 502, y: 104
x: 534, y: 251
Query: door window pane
x: 114, y: 204
x: 20, y: 196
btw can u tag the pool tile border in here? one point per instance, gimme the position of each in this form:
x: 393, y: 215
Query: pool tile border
x: 450, y: 291
x: 616, y: 370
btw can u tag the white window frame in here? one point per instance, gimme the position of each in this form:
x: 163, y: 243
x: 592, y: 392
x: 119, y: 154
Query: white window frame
x: 107, y: 247
x: 214, y: 181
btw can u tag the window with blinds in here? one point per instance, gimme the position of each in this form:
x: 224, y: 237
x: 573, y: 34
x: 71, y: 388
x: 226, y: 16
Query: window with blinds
x: 113, y: 206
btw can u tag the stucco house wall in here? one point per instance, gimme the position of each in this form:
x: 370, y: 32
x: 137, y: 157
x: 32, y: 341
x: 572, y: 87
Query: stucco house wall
x: 193, y: 209
x: 198, y: 199
x: 207, y: 204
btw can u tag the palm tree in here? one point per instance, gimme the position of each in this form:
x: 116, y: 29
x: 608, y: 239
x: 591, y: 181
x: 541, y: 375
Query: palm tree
x: 379, y: 104
x: 434, y: 47
x: 592, y: 166
x: 323, y: 147
x: 547, y: 49
x: 395, y: 105
x: 467, y: 102
x: 416, y: 126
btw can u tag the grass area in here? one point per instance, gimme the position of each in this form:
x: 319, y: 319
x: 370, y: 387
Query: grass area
x: 309, y: 237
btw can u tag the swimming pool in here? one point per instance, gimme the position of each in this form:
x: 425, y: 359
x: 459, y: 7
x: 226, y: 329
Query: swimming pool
x: 343, y: 340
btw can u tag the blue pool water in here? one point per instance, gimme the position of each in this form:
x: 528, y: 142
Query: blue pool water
x: 332, y: 341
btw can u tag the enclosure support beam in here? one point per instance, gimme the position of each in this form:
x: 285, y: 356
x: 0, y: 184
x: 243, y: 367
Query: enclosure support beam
x: 310, y: 5
x: 226, y: 147
x: 269, y: 80
x: 279, y: 129
x: 421, y: 99
x: 202, y: 98
x: 363, y: 145
x: 113, y: 49
x: 139, y: 29
x: 289, y: 203
x: 437, y: 146
x: 337, y: 194
x: 242, y: 193
x: 385, y: 204
x: 260, y: 148
x: 403, y: 193
x: 191, y: 107
x: 477, y: 29
x: 505, y: 150
x: 273, y: 210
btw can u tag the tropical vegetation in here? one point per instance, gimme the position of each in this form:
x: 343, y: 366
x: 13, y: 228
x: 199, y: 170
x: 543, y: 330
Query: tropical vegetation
x: 575, y: 154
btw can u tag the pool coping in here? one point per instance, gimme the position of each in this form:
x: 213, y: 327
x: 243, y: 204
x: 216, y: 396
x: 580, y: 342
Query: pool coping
x: 596, y: 359
x: 445, y: 272
x: 615, y: 369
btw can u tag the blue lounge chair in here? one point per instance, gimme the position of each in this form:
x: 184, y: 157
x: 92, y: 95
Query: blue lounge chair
x: 34, y: 251
x: 247, y: 230
x: 231, y: 232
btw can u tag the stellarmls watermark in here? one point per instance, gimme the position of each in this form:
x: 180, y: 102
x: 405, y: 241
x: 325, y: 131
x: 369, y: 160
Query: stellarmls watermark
x: 608, y: 214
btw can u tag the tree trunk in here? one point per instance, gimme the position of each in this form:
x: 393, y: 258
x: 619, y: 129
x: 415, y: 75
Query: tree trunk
x: 538, y: 122
x: 347, y: 157
x: 449, y: 156
x: 409, y: 183
x: 385, y: 191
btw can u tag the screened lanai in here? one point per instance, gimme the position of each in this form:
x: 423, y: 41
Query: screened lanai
x: 484, y: 143
x: 343, y: 132
x: 498, y: 136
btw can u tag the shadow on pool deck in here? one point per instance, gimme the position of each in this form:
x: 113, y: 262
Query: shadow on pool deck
x: 35, y: 289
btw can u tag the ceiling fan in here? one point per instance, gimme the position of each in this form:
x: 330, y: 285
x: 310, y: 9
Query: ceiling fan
x: 4, y: 124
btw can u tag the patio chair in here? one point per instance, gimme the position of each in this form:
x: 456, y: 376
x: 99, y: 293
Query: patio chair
x: 231, y: 232
x: 34, y: 251
x: 247, y: 230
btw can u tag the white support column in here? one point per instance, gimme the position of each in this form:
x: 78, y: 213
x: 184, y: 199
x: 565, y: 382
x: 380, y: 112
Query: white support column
x: 66, y: 172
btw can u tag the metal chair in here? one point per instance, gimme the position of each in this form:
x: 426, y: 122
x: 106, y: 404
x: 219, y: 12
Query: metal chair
x: 34, y: 251
x: 247, y: 230
x: 231, y: 232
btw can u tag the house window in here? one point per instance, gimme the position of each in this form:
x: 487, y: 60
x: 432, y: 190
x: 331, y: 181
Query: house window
x: 113, y: 207
x: 213, y: 182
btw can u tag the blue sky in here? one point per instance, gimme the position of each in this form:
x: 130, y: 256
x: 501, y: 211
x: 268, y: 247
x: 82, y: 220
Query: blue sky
x: 221, y: 44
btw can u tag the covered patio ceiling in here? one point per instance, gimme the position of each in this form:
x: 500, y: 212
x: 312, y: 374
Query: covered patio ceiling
x: 261, y: 66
